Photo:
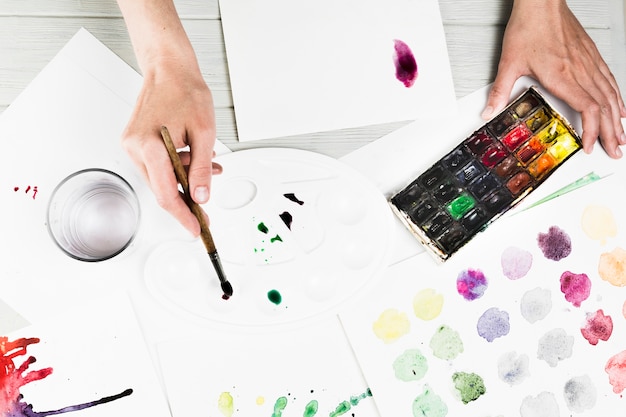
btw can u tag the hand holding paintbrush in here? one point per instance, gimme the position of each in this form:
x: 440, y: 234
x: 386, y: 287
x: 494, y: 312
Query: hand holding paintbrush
x: 205, y: 233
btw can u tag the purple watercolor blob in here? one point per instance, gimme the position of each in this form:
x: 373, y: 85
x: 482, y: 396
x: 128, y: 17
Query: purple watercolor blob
x: 556, y: 244
x: 515, y: 262
x: 576, y: 287
x: 471, y: 284
x: 597, y: 327
x: 493, y: 323
x: 406, y: 66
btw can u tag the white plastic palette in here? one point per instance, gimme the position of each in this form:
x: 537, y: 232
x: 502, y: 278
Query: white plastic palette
x: 298, y: 234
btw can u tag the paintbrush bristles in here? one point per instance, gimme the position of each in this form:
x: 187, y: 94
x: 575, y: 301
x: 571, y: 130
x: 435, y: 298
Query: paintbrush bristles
x: 181, y: 176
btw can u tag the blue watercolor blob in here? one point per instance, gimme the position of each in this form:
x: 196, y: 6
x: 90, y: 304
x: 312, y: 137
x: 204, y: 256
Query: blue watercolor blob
x: 493, y: 323
x: 471, y: 284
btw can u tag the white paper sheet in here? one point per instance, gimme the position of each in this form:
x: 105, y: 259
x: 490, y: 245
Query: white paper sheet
x: 95, y: 351
x: 303, y: 67
x: 538, y: 355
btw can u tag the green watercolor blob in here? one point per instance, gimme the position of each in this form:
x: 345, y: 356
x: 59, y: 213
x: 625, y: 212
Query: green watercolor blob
x: 276, y: 238
x: 469, y: 385
x: 446, y: 343
x: 341, y: 409
x: 275, y: 297
x: 410, y: 365
x: 356, y: 399
x: 225, y: 404
x: 262, y: 228
x: 311, y: 409
x: 429, y: 404
x: 279, y: 406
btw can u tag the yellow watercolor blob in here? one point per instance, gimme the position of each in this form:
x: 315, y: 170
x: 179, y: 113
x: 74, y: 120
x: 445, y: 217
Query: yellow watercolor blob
x: 260, y: 400
x: 427, y: 304
x: 225, y: 404
x: 391, y: 325
x: 598, y: 223
x: 612, y: 267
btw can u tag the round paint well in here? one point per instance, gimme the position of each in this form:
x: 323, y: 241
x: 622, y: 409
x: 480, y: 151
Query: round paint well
x: 235, y: 193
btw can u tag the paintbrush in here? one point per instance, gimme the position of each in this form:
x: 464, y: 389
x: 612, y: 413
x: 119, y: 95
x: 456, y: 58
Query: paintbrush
x: 205, y: 233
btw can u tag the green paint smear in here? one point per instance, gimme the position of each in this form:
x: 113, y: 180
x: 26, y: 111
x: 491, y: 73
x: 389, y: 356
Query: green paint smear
x: 345, y: 406
x: 469, y: 385
x: 410, y: 365
x: 446, y: 343
x: 311, y: 409
x: 225, y: 404
x: 279, y: 406
x: 276, y: 238
x: 429, y: 404
x: 274, y: 296
x: 262, y: 228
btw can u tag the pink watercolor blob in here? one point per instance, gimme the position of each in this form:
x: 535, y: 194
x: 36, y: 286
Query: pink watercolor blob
x: 515, y: 262
x: 555, y: 244
x: 471, y: 284
x: 576, y: 287
x: 616, y: 369
x: 406, y: 66
x: 597, y: 327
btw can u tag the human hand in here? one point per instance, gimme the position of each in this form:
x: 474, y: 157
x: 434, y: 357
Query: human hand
x: 545, y: 40
x: 175, y: 95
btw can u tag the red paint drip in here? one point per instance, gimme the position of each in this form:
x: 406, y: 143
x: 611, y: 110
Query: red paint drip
x: 598, y: 327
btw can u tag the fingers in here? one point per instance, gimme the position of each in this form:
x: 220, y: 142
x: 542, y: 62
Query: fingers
x: 500, y: 91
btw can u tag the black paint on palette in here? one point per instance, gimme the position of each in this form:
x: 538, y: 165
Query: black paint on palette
x: 486, y: 174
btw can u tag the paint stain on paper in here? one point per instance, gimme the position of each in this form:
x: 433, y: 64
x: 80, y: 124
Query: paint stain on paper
x: 513, y: 368
x: 554, y: 346
x: 429, y: 404
x: 391, y: 325
x: 446, y: 343
x: 515, y: 262
x: 345, y: 406
x: 599, y: 223
x: 471, y: 284
x: 597, y: 327
x: 13, y: 378
x: 311, y: 408
x: 555, y: 244
x: 616, y: 369
x: 32, y: 191
x: 493, y: 323
x: 279, y: 406
x: 543, y: 405
x: 580, y: 394
x: 469, y: 385
x: 411, y: 365
x: 427, y: 304
x: 536, y: 304
x: 575, y: 287
x: 612, y: 267
x: 225, y: 404
x: 405, y: 63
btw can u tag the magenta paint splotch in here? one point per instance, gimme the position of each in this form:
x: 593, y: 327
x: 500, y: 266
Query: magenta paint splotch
x: 406, y: 65
x: 575, y: 287
x: 515, y: 262
x: 493, y: 323
x: 597, y: 327
x: 555, y: 244
x: 471, y: 284
x: 616, y: 369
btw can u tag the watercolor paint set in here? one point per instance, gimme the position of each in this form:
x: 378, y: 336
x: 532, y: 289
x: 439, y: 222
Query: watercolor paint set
x: 487, y: 174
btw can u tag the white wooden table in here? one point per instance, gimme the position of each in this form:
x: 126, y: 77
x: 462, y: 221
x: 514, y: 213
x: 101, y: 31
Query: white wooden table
x: 33, y: 31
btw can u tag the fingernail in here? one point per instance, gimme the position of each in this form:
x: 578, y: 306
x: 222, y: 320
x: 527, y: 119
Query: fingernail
x: 201, y: 194
x: 618, y: 152
x: 622, y: 139
x: 487, y: 112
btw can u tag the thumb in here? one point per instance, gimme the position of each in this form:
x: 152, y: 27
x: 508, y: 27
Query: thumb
x: 200, y: 171
x: 499, y: 93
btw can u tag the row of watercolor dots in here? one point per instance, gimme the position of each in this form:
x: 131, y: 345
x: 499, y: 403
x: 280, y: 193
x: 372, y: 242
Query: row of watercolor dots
x: 554, y: 346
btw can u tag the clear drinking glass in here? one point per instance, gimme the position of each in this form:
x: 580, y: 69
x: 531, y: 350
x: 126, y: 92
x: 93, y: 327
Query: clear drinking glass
x: 93, y: 215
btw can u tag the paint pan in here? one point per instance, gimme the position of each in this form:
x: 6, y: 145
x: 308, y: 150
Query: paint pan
x: 487, y: 174
x: 299, y: 233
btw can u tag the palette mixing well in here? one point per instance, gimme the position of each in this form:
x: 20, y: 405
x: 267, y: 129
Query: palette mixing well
x: 486, y: 174
x: 298, y: 234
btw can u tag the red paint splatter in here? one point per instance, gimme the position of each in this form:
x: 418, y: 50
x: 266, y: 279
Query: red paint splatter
x: 616, y: 369
x: 598, y: 327
x: 12, y: 378
x: 406, y: 66
x: 576, y: 287
x: 16, y: 189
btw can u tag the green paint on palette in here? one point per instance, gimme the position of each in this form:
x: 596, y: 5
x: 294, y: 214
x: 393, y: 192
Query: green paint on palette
x: 262, y: 228
x: 469, y: 385
x: 311, y: 409
x: 276, y: 238
x: 429, y: 404
x: 279, y: 407
x: 275, y: 297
